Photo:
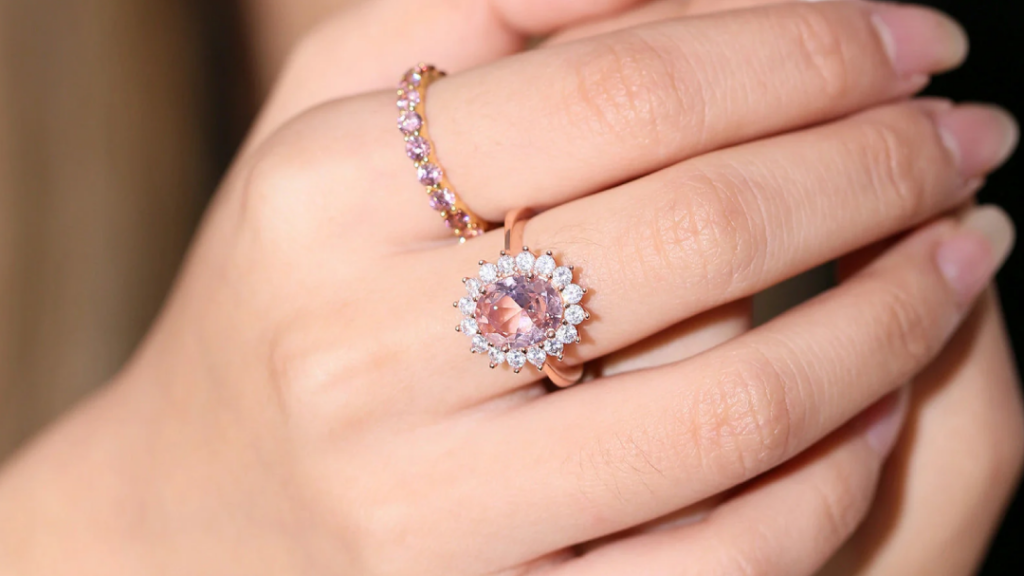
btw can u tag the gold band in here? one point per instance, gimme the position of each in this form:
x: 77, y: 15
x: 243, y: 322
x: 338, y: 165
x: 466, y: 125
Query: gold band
x: 412, y: 97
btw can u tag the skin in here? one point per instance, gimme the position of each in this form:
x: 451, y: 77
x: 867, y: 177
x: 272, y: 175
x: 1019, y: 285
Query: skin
x: 254, y: 407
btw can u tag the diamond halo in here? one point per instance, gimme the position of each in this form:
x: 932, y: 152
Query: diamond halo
x: 522, y: 310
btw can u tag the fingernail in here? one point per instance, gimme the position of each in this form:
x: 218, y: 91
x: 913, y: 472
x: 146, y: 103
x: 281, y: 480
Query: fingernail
x: 919, y: 41
x: 979, y: 137
x: 969, y: 259
x: 886, y: 420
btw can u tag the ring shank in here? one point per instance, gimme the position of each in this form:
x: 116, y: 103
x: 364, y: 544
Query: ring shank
x: 515, y: 224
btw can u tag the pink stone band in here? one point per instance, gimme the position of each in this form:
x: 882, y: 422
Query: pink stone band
x: 524, y: 308
x: 441, y: 196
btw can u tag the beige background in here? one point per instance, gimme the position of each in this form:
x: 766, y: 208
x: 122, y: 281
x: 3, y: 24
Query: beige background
x: 104, y: 167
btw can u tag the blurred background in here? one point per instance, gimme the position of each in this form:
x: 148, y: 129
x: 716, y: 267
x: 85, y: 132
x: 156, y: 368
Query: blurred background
x: 117, y: 117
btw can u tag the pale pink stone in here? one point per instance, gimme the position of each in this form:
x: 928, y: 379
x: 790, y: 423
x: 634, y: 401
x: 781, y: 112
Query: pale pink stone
x: 457, y: 220
x: 409, y: 123
x: 442, y: 199
x: 429, y: 174
x: 417, y: 148
x: 408, y: 99
x: 517, y: 311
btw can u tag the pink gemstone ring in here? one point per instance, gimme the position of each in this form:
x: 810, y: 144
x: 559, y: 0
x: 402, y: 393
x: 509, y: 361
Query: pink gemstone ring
x: 412, y: 123
x: 524, y: 308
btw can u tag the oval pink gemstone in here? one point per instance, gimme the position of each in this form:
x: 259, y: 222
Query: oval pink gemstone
x: 518, y: 311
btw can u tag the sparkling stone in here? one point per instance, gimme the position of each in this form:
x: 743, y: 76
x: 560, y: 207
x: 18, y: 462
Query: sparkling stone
x: 572, y: 294
x: 457, y: 220
x: 506, y: 265
x: 488, y: 273
x: 469, y: 327
x: 408, y: 99
x: 479, y: 344
x: 524, y: 261
x: 566, y: 334
x: 575, y: 314
x: 562, y: 276
x: 467, y: 306
x: 429, y: 174
x: 536, y: 356
x: 473, y: 286
x: 518, y: 311
x: 497, y: 356
x: 545, y: 266
x: 553, y: 348
x: 417, y: 148
x: 442, y: 199
x: 516, y: 358
x: 413, y: 77
x: 409, y: 123
x: 471, y: 232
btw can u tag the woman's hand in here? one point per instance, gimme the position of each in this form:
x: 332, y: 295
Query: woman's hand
x: 303, y: 407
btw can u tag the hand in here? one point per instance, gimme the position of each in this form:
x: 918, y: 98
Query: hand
x: 299, y: 444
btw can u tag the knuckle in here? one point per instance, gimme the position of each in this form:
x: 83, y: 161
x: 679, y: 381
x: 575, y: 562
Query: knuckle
x: 819, y: 36
x: 904, y: 326
x: 709, y: 232
x: 629, y: 84
x: 625, y: 465
x: 843, y: 499
x: 742, y: 419
x: 893, y: 161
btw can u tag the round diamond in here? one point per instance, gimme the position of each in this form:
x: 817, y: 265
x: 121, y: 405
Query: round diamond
x: 516, y: 359
x: 488, y: 273
x: 457, y: 220
x: 497, y: 356
x: 409, y: 123
x: 469, y: 327
x: 524, y: 261
x: 417, y: 148
x: 473, y: 286
x: 545, y: 266
x: 574, y: 314
x: 429, y: 174
x: 479, y: 344
x: 562, y: 276
x: 572, y: 294
x: 536, y: 356
x: 467, y: 306
x: 413, y: 77
x: 506, y: 265
x: 442, y: 199
x: 553, y: 348
x: 517, y: 311
x: 566, y: 334
x: 408, y: 99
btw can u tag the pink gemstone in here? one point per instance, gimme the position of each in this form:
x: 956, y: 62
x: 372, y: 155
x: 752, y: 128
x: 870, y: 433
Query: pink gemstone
x: 408, y: 99
x: 409, y: 123
x: 518, y: 311
x: 429, y: 174
x: 457, y: 220
x: 472, y: 232
x: 442, y: 199
x: 417, y: 148
x: 412, y: 77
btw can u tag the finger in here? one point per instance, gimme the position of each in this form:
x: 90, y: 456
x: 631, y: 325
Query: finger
x: 368, y: 46
x: 732, y: 223
x: 966, y: 427
x: 787, y: 524
x: 652, y: 12
x: 620, y: 451
x: 547, y: 126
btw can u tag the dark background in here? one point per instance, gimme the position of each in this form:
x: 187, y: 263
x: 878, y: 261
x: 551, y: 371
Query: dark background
x: 994, y: 72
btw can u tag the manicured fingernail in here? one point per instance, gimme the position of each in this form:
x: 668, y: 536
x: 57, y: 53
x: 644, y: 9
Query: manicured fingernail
x: 885, y: 420
x: 970, y: 258
x: 919, y: 41
x: 980, y: 137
